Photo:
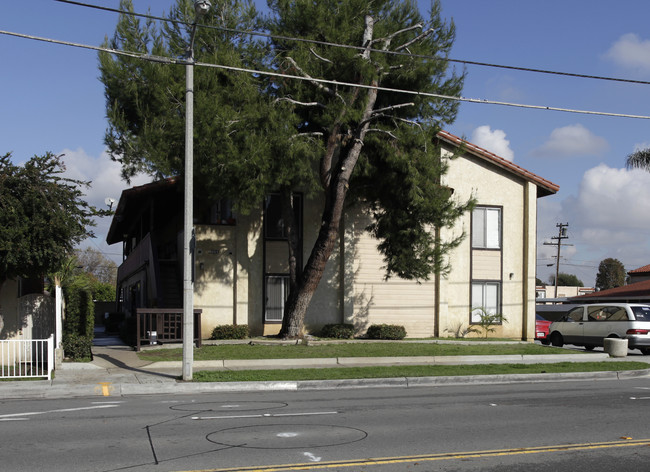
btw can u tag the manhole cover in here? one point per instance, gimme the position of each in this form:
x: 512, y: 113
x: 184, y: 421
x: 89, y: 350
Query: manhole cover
x: 286, y: 436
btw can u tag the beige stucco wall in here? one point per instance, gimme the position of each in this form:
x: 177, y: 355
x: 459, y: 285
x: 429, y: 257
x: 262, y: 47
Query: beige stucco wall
x: 376, y: 300
x: 214, y: 275
x: 492, y: 186
x: 230, y: 268
x: 28, y: 317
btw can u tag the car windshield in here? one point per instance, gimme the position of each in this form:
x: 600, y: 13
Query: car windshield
x: 641, y: 313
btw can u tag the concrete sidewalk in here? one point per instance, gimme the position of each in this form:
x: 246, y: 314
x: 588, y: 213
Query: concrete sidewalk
x: 117, y: 370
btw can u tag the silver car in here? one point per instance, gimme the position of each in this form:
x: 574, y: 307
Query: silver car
x: 589, y: 325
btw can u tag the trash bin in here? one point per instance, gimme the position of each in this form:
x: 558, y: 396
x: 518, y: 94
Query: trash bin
x: 616, y: 347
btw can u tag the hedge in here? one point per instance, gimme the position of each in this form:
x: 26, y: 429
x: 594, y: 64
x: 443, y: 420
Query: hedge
x: 338, y: 331
x: 385, y: 331
x: 230, y: 332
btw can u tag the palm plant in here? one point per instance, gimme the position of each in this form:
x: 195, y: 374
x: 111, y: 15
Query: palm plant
x: 639, y: 159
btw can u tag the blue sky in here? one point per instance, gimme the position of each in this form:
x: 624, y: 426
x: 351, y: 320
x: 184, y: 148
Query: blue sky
x: 51, y: 100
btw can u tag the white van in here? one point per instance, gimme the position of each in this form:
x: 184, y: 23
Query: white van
x: 589, y: 325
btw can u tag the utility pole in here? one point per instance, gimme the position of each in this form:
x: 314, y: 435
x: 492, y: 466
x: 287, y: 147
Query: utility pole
x: 562, y: 230
x: 201, y: 7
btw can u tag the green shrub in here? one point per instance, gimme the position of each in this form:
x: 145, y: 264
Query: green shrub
x: 487, y: 319
x: 385, y: 331
x: 79, y: 311
x: 338, y: 331
x: 77, y: 348
x: 230, y: 332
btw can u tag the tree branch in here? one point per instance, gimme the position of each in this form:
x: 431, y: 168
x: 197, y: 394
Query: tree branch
x: 393, y: 107
x: 320, y: 86
x: 296, y: 102
x: 422, y: 35
x: 307, y: 135
x: 387, y: 40
x: 377, y: 130
x: 320, y: 57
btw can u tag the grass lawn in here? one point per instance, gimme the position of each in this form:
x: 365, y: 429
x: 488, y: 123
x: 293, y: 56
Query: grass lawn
x: 383, y: 349
x: 336, y: 373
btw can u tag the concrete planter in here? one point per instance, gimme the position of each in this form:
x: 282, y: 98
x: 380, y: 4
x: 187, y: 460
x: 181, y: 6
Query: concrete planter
x: 616, y: 347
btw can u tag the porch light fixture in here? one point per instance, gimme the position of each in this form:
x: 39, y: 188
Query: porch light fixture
x: 201, y: 7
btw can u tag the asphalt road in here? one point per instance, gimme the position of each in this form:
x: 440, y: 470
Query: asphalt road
x: 574, y: 426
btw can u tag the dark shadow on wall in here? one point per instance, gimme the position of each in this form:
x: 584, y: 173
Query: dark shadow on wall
x: 32, y: 318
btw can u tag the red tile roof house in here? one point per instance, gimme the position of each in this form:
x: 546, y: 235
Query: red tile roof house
x: 241, y: 269
x: 637, y: 291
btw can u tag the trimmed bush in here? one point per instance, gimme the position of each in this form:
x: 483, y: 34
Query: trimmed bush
x: 77, y: 348
x: 230, y: 332
x: 338, y: 331
x: 79, y: 311
x: 385, y: 331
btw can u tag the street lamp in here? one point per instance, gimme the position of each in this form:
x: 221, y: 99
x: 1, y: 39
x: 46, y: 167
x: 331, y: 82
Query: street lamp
x: 201, y: 7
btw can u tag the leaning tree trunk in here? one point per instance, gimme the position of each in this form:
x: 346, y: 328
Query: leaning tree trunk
x: 335, y: 174
x: 299, y: 299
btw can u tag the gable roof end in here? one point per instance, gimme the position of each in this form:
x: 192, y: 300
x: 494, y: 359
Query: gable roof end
x: 544, y: 187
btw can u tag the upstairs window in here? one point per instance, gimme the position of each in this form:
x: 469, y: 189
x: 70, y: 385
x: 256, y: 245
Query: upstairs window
x: 486, y: 228
x: 274, y: 224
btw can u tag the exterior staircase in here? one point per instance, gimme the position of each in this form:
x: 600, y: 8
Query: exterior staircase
x: 170, y: 285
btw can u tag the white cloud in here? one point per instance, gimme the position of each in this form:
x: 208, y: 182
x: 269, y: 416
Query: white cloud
x: 494, y: 141
x: 572, y: 140
x: 631, y: 52
x: 616, y: 200
x: 607, y: 218
x: 106, y: 181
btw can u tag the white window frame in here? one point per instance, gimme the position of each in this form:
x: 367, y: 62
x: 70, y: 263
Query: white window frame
x: 485, y: 295
x: 274, y: 305
x: 486, y: 227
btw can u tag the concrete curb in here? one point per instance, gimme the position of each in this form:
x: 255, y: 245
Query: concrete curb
x: 255, y: 364
x: 43, y: 389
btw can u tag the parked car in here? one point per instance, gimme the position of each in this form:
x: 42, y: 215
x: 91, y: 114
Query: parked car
x: 589, y: 325
x: 541, y: 330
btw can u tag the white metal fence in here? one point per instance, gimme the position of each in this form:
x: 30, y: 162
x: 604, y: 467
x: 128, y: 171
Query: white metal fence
x: 26, y: 358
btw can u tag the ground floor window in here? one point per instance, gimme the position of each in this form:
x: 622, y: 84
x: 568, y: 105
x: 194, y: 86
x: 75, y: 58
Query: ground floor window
x: 277, y: 291
x: 486, y: 296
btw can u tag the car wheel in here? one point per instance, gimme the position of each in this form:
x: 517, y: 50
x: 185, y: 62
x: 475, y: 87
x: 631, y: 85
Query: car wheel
x: 645, y: 351
x: 545, y: 341
x: 589, y: 347
x: 557, y: 340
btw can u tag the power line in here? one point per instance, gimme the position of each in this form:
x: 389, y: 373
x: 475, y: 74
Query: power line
x: 361, y: 48
x: 169, y: 60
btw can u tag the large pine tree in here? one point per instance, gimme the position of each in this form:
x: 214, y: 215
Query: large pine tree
x: 257, y: 134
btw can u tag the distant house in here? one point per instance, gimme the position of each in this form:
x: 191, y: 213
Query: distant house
x: 639, y: 275
x: 636, y: 291
x: 547, y: 293
x: 241, y: 269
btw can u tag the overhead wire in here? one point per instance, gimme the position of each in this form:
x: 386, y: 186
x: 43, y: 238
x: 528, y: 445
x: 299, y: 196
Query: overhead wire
x: 169, y: 60
x: 360, y: 48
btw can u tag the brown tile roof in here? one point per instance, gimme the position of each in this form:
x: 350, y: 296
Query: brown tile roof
x: 641, y: 270
x: 638, y: 291
x: 545, y: 187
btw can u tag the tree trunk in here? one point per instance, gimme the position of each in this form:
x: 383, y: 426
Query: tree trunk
x: 300, y: 298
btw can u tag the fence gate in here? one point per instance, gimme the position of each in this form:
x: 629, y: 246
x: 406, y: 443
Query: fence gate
x: 26, y: 358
